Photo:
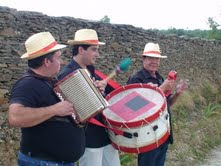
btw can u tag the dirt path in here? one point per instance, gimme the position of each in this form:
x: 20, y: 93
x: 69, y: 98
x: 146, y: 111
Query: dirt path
x: 214, y: 159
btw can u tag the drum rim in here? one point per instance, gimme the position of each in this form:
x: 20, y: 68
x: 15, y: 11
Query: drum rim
x: 145, y: 148
x: 139, y: 122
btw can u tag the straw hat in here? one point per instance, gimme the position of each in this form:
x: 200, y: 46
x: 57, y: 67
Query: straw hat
x: 85, y: 36
x: 40, y: 44
x: 153, y: 50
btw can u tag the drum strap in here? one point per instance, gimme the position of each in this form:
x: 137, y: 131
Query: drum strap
x: 116, y: 131
x: 114, y: 85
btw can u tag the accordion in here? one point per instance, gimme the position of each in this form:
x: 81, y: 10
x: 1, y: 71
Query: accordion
x: 79, y: 89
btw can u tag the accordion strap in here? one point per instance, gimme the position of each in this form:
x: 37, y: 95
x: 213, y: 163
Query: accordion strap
x: 116, y: 131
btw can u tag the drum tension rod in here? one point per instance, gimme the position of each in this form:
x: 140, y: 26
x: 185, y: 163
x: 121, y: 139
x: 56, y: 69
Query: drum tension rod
x: 167, y: 116
x: 155, y: 127
x: 129, y: 135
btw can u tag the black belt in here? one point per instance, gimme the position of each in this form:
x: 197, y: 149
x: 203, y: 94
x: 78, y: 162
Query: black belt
x: 39, y: 156
x: 59, y: 119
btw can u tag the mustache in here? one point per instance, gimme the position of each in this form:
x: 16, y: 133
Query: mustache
x: 155, y: 64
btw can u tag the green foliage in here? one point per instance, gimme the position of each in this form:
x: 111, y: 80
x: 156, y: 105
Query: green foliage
x: 213, y: 33
x: 211, y: 109
x: 210, y: 92
x: 127, y: 159
x: 181, y: 32
x: 105, y: 19
x: 213, y: 24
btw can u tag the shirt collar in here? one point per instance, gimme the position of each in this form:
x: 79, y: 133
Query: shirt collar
x: 74, y: 64
x: 148, y: 75
x: 91, y: 68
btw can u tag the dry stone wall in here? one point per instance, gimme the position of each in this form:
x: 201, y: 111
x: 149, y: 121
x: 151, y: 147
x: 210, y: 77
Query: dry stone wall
x: 192, y: 58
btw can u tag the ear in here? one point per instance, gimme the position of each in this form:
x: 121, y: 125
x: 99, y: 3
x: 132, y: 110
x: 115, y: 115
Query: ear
x: 80, y: 50
x: 46, y: 62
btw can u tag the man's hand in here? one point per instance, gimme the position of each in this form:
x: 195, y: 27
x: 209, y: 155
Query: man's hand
x: 101, y: 85
x: 152, y: 84
x: 63, y: 108
x: 181, y: 86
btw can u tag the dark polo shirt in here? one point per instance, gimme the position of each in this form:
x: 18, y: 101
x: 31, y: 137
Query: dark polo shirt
x: 96, y: 136
x: 58, y: 139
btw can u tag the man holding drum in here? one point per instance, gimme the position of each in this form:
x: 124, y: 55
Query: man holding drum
x: 99, y: 151
x: 49, y: 135
x: 149, y: 74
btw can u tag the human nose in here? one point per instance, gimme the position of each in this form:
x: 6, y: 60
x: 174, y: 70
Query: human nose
x: 97, y: 54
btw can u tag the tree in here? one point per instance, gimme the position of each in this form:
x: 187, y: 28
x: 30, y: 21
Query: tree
x: 213, y: 24
x: 214, y: 33
x: 105, y: 19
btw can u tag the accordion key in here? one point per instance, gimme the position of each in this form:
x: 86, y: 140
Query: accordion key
x: 78, y: 88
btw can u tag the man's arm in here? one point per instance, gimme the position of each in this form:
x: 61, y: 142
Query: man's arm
x: 181, y: 87
x: 21, y: 116
x: 173, y: 98
x: 167, y: 85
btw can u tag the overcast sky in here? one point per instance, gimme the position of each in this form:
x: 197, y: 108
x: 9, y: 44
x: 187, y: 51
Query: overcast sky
x: 160, y: 14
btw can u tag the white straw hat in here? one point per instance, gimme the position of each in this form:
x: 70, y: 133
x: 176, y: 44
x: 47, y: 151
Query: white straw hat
x: 40, y: 44
x: 85, y: 36
x: 153, y: 50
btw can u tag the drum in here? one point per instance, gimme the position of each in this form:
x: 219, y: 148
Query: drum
x: 141, y: 111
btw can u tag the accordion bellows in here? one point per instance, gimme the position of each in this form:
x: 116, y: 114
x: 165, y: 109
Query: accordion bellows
x: 79, y: 89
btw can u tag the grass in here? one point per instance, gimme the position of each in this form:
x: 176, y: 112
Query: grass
x: 128, y: 159
x: 197, y: 130
x: 211, y: 110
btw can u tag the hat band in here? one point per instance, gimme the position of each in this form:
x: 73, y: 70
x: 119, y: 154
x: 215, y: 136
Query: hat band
x: 44, y: 49
x: 152, y: 52
x: 92, y: 41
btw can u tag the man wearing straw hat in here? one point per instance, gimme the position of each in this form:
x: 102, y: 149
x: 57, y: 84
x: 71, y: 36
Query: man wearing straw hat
x: 149, y: 74
x: 99, y: 151
x: 49, y: 136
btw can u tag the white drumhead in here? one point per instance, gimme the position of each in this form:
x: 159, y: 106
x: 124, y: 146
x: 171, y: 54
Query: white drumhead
x: 134, y: 103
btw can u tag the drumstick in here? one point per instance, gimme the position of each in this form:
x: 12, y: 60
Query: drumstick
x: 123, y: 66
x: 171, y: 76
